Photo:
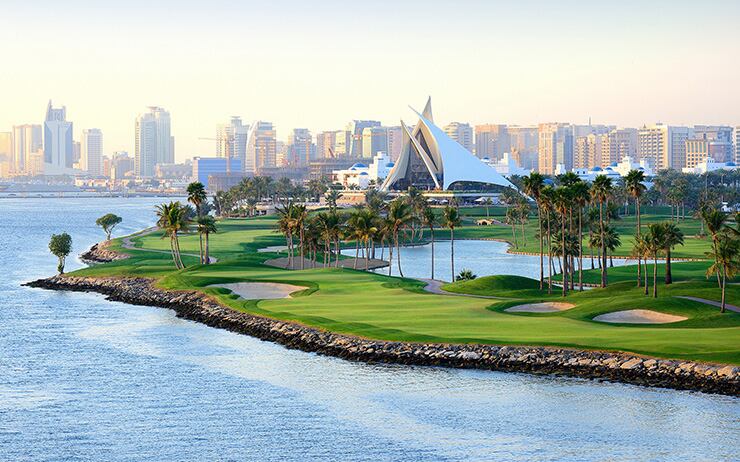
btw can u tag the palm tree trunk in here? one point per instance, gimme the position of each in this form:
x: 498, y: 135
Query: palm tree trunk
x: 452, y: 252
x: 300, y: 242
x: 668, y: 275
x: 200, y: 238
x: 565, y: 259
x: 336, y: 251
x: 208, y: 255
x: 390, y: 258
x: 580, y: 249
x: 513, y: 233
x: 357, y: 253
x: 542, y: 256
x: 655, y: 275
x: 549, y: 259
x: 637, y: 211
x: 431, y: 232
x: 172, y: 251
x: 603, y: 247
x: 724, y: 285
x: 367, y: 255
x: 398, y: 256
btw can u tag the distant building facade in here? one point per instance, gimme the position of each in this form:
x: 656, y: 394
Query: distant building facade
x: 664, y: 145
x: 261, y: 147
x: 203, y: 167
x: 58, y: 143
x: 91, y: 151
x: 27, y: 140
x: 460, y: 132
x: 492, y: 141
x: 555, y: 147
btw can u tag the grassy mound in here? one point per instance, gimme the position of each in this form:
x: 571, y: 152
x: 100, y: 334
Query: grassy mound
x: 498, y: 285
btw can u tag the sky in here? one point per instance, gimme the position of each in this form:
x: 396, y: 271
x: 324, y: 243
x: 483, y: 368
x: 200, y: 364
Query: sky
x: 318, y: 64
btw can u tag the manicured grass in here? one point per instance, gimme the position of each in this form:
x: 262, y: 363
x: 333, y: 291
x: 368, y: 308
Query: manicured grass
x: 376, y: 306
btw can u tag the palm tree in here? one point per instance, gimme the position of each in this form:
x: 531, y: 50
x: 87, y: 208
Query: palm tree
x: 332, y: 196
x: 715, y: 221
x: 451, y: 219
x: 656, y: 243
x: 400, y: 214
x: 601, y: 189
x: 633, y: 182
x: 546, y: 201
x: 673, y: 237
x: 532, y: 186
x: 300, y: 215
x: 581, y: 197
x: 429, y: 218
x: 361, y: 227
x: 206, y: 225
x: 562, y: 202
x: 173, y: 219
x: 726, y: 264
x: 197, y: 195
x: 512, y: 216
x: 611, y: 241
x: 641, y: 249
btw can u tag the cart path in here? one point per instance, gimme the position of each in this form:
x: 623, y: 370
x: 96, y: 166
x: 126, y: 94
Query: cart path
x: 710, y: 302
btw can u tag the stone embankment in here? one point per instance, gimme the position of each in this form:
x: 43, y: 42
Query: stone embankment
x: 612, y: 366
x: 101, y: 253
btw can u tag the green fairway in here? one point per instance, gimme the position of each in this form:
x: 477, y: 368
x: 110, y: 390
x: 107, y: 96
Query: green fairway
x: 380, y: 307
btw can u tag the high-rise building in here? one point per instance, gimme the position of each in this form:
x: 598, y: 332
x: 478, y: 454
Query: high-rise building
x: 231, y: 140
x: 154, y: 142
x: 325, y: 142
x: 663, y: 145
x: 58, y: 143
x: 587, y: 151
x: 460, y: 132
x: 719, y: 142
x: 6, y: 153
x: 555, y: 147
x: 374, y: 140
x: 492, y: 141
x: 300, y: 148
x: 617, y: 144
x: 343, y: 143
x: 91, y: 151
x: 121, y: 165
x: 165, y: 153
x: 261, y: 147
x: 585, y: 130
x: 395, y: 142
x: 355, y: 129
x: 27, y: 140
x: 736, y: 143
x: 524, y: 145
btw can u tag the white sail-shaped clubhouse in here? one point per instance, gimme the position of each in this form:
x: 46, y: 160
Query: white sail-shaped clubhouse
x: 431, y: 160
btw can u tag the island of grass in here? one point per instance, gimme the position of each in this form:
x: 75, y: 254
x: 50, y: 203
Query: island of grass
x: 375, y: 306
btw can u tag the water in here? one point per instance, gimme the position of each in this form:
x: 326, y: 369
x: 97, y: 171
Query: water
x: 86, y: 379
x: 483, y: 258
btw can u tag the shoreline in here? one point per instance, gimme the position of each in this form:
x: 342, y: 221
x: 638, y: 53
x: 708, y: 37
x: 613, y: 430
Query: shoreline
x: 598, y: 365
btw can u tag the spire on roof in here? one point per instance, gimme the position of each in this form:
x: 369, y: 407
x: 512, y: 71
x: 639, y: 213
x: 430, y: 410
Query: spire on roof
x: 427, y: 112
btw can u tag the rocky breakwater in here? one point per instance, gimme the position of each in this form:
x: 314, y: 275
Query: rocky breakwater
x: 613, y: 366
x: 101, y: 253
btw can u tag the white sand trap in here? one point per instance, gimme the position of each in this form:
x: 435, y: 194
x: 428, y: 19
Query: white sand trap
x: 273, y: 248
x: 639, y: 317
x: 545, y: 307
x: 261, y: 290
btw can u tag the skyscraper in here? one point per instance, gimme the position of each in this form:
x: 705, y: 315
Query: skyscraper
x: 617, y: 144
x: 58, y: 144
x: 555, y: 147
x: 300, y: 149
x: 395, y: 142
x: 736, y: 142
x: 91, y: 151
x: 492, y: 141
x: 720, y: 142
x: 231, y: 139
x: 27, y: 140
x: 355, y: 129
x: 460, y: 132
x: 374, y: 139
x: 324, y: 142
x: 261, y: 147
x: 6, y: 153
x: 524, y: 146
x: 663, y: 145
x: 154, y: 142
x: 587, y: 151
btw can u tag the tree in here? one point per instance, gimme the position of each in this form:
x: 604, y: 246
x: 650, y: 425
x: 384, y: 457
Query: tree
x: 206, y: 226
x: 429, y: 219
x: 60, y: 246
x: 197, y: 196
x: 656, y: 243
x: 451, y: 220
x: 108, y: 222
x: 487, y: 202
x: 641, y: 250
x: 546, y: 201
x: 726, y: 264
x: 601, y: 189
x: 714, y: 220
x: 673, y: 236
x: 581, y: 197
x: 465, y: 275
x: 173, y: 219
x: 400, y: 214
x: 332, y: 196
x: 533, y: 185
x: 562, y: 200
x: 633, y: 182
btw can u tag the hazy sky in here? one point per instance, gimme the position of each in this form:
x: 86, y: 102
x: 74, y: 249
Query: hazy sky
x: 318, y: 64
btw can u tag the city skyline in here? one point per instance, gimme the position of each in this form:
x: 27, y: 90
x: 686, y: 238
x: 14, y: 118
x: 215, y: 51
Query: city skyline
x: 605, y: 63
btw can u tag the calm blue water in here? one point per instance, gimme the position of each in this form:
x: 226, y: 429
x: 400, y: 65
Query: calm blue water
x: 86, y: 379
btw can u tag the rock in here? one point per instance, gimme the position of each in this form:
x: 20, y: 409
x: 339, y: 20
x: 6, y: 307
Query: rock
x: 631, y: 364
x: 728, y: 371
x: 470, y: 355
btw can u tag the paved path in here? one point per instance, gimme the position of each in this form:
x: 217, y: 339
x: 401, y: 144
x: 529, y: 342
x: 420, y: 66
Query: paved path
x: 127, y: 243
x: 710, y: 302
x: 434, y: 286
x: 282, y: 263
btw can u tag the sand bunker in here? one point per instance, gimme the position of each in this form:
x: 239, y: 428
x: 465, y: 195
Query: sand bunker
x: 639, y: 317
x: 260, y: 290
x: 545, y: 307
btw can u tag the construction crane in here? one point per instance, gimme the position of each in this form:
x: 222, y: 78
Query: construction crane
x: 229, y: 144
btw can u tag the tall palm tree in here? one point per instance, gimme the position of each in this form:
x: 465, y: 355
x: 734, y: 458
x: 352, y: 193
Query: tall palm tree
x: 562, y: 202
x: 673, y: 237
x: 300, y: 215
x: 206, y: 226
x: 601, y: 189
x: 532, y: 186
x: 656, y: 243
x: 715, y: 221
x: 197, y: 196
x: 546, y: 201
x: 173, y: 219
x: 429, y: 218
x: 634, y: 183
x: 400, y: 214
x: 726, y: 264
x: 581, y: 197
x: 451, y: 220
x: 641, y: 250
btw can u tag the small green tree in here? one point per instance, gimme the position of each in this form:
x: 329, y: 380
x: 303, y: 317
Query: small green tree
x: 108, y: 222
x: 60, y: 245
x: 465, y: 275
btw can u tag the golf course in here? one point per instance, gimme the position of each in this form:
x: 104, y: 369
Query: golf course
x: 375, y: 306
